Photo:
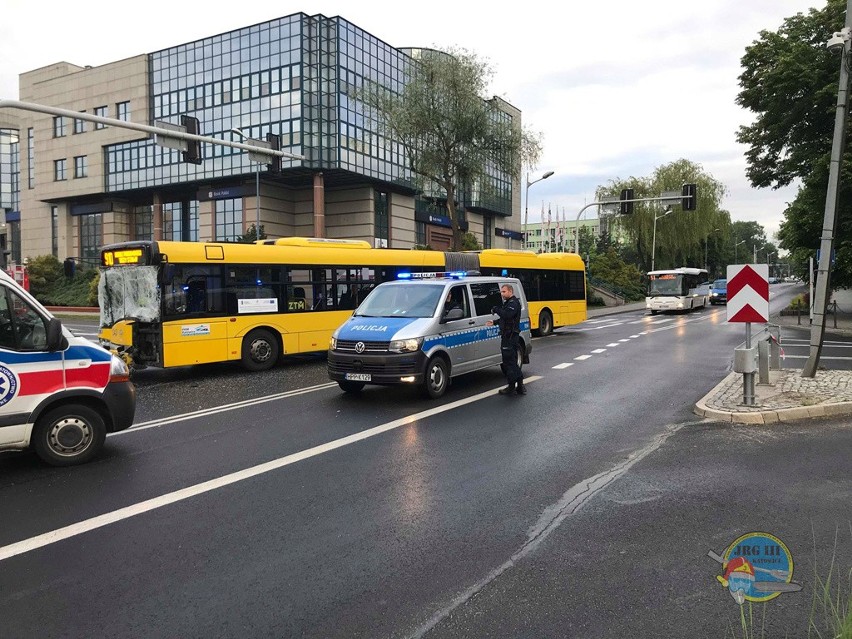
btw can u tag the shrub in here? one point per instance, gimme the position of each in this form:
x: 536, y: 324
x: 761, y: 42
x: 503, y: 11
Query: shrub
x: 43, y: 271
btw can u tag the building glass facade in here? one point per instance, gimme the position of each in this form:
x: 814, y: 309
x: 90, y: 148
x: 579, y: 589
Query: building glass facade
x: 10, y: 170
x: 293, y: 77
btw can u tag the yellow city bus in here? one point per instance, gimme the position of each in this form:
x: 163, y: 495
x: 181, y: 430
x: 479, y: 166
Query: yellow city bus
x: 180, y: 303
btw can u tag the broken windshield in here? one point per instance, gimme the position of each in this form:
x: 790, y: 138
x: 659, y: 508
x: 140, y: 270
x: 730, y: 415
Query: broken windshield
x: 129, y: 292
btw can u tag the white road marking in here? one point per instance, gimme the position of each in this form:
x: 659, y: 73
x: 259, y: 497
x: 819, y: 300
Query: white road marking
x: 633, y: 336
x: 623, y: 340
x: 582, y: 357
x: 560, y: 367
x: 597, y: 328
x: 598, y: 351
x: 842, y: 359
x: 613, y: 345
x: 60, y: 534
x: 156, y: 423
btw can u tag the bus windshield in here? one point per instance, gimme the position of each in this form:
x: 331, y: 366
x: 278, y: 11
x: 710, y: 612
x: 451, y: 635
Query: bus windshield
x: 668, y: 284
x: 401, y: 300
x: 129, y: 292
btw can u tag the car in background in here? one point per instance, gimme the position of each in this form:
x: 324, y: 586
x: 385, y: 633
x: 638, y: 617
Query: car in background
x: 719, y: 292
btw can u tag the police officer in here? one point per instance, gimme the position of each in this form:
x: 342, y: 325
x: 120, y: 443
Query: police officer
x: 510, y: 329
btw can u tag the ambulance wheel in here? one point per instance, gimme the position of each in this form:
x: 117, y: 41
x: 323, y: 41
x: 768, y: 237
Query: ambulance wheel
x: 437, y: 378
x: 69, y: 434
x: 351, y: 387
x: 545, y: 323
x: 260, y: 350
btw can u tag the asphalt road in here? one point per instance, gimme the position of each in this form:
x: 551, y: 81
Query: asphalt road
x: 274, y: 505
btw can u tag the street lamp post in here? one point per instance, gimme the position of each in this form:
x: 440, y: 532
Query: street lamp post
x: 256, y: 188
x: 735, y: 250
x: 654, y: 240
x: 527, y: 206
x: 768, y: 254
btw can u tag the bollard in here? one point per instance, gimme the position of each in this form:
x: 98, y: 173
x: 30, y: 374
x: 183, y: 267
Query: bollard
x: 775, y: 351
x: 763, y: 362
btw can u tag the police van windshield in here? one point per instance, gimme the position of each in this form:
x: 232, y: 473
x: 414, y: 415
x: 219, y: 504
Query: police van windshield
x: 402, y: 300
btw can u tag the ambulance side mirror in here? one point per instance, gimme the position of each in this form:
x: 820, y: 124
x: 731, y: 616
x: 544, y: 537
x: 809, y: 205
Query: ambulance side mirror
x: 55, y: 339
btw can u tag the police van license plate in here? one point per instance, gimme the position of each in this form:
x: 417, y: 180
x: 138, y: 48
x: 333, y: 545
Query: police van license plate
x: 358, y: 377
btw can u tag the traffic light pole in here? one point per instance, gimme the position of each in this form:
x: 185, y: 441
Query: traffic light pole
x: 666, y: 198
x: 153, y: 130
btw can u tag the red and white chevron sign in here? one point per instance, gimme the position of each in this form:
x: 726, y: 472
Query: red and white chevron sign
x: 748, y: 293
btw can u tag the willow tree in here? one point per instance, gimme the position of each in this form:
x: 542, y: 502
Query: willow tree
x: 452, y: 137
x: 681, y: 235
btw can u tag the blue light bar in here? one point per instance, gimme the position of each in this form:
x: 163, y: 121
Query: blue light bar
x: 403, y: 276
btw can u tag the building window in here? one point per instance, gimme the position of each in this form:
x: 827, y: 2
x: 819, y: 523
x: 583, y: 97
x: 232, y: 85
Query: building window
x: 229, y: 220
x: 59, y: 127
x: 420, y: 233
x: 143, y: 223
x: 101, y: 112
x: 381, y: 218
x: 122, y: 111
x: 90, y: 239
x: 79, y: 125
x: 81, y: 166
x: 172, y: 218
x: 54, y: 231
x: 60, y: 168
x: 15, y: 231
x: 30, y: 159
x: 487, y: 231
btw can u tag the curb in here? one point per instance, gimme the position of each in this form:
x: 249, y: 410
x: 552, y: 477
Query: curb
x: 73, y: 309
x: 767, y: 416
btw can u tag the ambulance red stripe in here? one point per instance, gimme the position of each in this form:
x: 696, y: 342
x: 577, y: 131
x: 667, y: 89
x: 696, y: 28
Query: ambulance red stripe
x: 41, y: 382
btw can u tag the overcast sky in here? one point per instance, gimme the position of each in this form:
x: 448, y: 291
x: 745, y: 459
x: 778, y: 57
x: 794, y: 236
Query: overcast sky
x: 616, y: 88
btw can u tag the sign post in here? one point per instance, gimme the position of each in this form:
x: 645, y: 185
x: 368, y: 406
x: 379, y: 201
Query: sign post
x: 748, y: 301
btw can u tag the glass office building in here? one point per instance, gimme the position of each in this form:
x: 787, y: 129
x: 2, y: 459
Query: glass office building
x: 292, y: 77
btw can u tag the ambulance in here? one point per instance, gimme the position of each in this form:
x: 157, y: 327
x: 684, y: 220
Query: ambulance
x: 60, y: 394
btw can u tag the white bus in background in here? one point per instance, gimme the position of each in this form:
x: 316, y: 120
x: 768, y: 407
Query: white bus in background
x: 679, y: 289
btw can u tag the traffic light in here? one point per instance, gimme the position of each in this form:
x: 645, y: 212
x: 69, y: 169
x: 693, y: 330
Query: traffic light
x: 690, y: 197
x: 626, y: 207
x: 193, y: 147
x: 274, y: 141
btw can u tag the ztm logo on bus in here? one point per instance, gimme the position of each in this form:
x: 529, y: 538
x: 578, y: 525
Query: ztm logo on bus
x: 8, y: 385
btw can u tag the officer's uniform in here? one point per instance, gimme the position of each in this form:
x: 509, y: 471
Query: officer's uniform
x: 510, y: 329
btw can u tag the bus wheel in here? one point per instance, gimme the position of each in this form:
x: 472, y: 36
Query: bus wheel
x: 260, y: 350
x: 545, y: 323
x: 654, y: 312
x: 437, y: 378
x: 351, y: 387
x: 68, y: 435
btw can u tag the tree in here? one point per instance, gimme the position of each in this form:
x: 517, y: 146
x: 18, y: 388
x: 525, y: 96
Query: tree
x: 453, y: 138
x: 789, y: 81
x: 681, y: 235
x: 251, y: 235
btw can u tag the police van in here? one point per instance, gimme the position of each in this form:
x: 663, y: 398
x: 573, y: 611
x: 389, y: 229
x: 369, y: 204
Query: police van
x: 424, y: 329
x: 60, y: 394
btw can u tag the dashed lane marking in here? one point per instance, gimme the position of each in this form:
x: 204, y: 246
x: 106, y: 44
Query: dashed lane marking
x: 598, y: 351
x: 583, y: 357
x: 560, y: 367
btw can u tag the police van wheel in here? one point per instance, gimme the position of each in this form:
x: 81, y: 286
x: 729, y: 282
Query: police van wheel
x: 260, y: 350
x: 68, y: 435
x: 351, y: 387
x: 437, y: 378
x: 545, y: 323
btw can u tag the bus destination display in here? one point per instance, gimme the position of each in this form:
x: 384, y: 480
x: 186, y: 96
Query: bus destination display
x: 124, y: 257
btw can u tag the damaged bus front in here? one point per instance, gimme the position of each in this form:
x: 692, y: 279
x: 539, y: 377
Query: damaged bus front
x: 129, y: 299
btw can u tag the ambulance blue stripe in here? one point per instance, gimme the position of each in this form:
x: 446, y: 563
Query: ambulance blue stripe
x: 93, y: 353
